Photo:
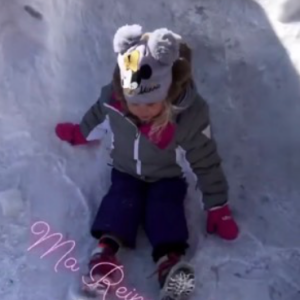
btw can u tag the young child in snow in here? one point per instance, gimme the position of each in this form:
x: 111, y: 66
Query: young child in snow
x: 155, y: 113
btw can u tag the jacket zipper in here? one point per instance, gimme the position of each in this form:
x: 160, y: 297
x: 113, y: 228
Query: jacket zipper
x: 136, y: 154
x: 136, y: 141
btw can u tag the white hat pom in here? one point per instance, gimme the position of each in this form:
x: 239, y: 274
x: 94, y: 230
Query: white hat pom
x: 127, y: 36
x: 164, y: 46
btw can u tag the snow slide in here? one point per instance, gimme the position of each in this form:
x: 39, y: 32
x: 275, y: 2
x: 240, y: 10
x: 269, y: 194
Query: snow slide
x: 54, y: 57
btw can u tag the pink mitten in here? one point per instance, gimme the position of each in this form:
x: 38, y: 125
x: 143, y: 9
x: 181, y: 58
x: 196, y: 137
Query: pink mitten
x: 70, y: 133
x: 220, y: 221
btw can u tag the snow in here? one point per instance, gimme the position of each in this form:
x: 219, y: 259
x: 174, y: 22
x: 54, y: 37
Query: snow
x: 289, y: 10
x: 11, y: 203
x: 54, y: 57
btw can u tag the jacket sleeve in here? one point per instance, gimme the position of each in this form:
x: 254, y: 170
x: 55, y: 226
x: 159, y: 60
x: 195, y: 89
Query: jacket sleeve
x: 92, y: 124
x: 201, y: 152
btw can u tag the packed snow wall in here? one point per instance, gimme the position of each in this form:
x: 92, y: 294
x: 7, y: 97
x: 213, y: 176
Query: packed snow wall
x: 54, y: 57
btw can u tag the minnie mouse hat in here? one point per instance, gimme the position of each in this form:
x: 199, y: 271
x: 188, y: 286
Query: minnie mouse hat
x: 145, y: 62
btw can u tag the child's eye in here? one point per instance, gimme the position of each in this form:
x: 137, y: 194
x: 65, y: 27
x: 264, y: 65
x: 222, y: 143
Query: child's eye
x: 150, y: 104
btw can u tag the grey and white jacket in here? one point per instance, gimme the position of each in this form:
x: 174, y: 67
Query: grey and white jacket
x: 135, y: 154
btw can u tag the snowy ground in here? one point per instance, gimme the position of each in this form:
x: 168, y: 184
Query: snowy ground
x: 54, y: 57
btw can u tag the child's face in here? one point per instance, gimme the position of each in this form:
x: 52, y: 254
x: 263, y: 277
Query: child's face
x: 146, y: 112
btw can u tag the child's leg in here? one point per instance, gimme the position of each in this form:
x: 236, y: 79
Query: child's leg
x: 121, y: 209
x: 165, y: 222
x: 116, y: 224
x: 166, y: 227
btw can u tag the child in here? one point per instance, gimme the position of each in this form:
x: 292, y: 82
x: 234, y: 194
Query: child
x: 155, y: 115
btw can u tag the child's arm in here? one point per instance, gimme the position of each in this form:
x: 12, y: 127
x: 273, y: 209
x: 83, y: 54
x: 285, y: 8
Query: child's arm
x: 90, y: 125
x: 89, y: 129
x: 201, y: 152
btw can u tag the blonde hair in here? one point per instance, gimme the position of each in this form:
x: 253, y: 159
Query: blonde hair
x: 162, y: 120
x: 181, y: 78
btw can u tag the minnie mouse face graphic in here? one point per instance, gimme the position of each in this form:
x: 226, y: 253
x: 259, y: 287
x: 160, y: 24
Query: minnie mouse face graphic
x: 137, y: 71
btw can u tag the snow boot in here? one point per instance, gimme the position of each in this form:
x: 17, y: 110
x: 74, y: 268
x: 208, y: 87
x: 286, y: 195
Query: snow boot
x: 103, y: 268
x: 176, y: 278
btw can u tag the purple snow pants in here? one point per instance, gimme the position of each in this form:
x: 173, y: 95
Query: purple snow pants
x: 158, y: 206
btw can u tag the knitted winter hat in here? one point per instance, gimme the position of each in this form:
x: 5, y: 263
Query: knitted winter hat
x: 145, y: 62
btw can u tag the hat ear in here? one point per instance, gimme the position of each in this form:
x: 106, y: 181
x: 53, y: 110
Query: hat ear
x: 127, y: 36
x: 164, y: 46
